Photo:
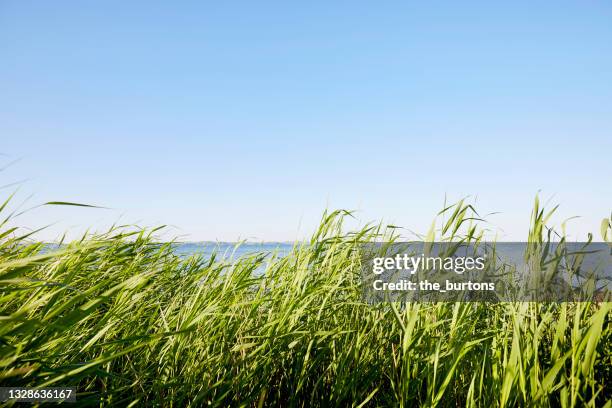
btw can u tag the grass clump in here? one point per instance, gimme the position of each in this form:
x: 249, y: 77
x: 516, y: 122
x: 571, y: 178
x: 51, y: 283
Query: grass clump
x: 126, y: 321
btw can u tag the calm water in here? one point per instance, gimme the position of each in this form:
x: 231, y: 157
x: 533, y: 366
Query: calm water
x: 231, y: 250
x: 508, y: 252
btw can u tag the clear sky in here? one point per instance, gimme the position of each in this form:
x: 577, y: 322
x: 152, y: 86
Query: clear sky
x: 246, y: 119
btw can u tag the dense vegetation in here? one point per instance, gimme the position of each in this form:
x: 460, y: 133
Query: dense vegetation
x: 126, y: 321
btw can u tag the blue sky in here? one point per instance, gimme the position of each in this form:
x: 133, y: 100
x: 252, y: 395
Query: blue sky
x: 247, y: 119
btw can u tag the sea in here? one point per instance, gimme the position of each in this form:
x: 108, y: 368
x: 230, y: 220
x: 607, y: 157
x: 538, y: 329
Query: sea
x: 599, y: 255
x: 232, y: 250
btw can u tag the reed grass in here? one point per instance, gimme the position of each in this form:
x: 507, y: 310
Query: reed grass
x: 129, y: 323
